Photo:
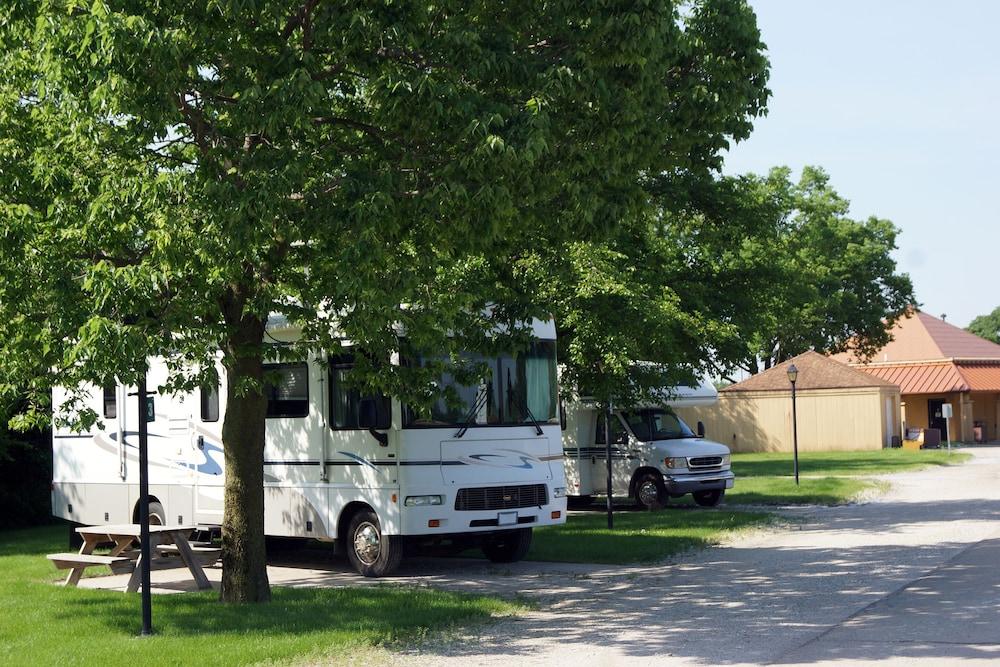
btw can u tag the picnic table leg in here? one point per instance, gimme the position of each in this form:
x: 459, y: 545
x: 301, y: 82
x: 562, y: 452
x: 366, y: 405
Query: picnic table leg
x: 134, y: 580
x: 184, y: 549
x: 90, y: 543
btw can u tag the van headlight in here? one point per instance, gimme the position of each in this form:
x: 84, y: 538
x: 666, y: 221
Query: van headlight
x: 559, y: 492
x: 725, y: 459
x: 422, y: 501
x: 675, y: 462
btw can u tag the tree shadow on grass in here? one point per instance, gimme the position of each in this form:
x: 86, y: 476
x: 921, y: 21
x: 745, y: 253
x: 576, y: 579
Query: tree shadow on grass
x: 379, y: 613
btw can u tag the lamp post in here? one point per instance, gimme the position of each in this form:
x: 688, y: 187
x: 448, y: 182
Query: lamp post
x: 793, y: 375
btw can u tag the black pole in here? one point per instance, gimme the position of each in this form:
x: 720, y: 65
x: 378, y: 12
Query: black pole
x: 795, y: 436
x: 147, y: 602
x: 607, y: 452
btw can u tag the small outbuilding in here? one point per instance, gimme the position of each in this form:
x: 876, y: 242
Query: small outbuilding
x: 838, y: 408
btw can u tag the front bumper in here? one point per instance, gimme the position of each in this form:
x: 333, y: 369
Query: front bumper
x: 706, y: 481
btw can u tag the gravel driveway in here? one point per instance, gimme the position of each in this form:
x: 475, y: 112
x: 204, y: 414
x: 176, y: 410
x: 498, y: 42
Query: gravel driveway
x: 909, y: 576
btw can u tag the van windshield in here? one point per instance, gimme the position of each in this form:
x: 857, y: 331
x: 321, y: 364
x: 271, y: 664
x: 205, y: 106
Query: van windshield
x: 656, y: 424
x: 517, y: 387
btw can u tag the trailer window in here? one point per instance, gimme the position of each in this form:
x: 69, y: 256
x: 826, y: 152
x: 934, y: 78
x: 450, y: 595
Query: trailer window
x: 210, y: 403
x: 345, y: 401
x: 286, y: 387
x: 110, y: 401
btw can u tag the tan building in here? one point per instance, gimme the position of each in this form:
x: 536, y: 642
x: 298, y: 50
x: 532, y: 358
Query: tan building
x: 838, y: 408
x: 935, y: 363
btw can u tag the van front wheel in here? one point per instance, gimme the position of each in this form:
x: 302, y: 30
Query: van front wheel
x: 650, y: 491
x: 372, y: 553
x: 509, y: 546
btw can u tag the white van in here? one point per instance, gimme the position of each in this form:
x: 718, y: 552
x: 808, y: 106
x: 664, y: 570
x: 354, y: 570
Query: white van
x: 654, y: 454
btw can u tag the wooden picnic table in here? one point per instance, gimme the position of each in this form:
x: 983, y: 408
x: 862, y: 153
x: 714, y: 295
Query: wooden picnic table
x: 123, y: 535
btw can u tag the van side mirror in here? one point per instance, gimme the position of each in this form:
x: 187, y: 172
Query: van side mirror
x: 701, y: 429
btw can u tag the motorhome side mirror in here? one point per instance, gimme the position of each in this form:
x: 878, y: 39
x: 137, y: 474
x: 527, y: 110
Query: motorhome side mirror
x: 701, y: 429
x: 367, y: 414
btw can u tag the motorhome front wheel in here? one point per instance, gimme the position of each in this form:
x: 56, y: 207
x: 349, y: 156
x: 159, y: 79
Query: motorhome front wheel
x: 370, y: 552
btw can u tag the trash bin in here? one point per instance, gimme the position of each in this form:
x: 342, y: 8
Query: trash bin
x: 979, y: 431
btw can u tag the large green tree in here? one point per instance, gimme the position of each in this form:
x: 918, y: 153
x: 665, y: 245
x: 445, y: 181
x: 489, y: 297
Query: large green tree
x: 987, y: 326
x: 822, y: 280
x: 171, y: 173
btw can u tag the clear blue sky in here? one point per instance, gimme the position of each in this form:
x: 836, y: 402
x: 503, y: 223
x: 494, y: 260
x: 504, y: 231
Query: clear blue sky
x: 900, y: 102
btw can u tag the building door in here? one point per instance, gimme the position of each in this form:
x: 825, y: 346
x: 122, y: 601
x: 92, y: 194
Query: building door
x: 935, y: 416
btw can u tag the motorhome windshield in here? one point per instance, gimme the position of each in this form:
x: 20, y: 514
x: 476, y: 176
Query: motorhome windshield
x: 656, y: 424
x: 515, y: 387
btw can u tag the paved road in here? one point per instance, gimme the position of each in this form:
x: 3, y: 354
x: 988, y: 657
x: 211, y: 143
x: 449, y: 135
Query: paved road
x: 911, y: 578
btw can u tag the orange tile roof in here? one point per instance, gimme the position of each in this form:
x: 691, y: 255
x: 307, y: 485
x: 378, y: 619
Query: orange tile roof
x: 981, y: 377
x: 939, y: 378
x: 816, y: 371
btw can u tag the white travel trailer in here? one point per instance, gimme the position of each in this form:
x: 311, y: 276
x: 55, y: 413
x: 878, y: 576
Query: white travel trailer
x: 654, y: 454
x: 366, y: 471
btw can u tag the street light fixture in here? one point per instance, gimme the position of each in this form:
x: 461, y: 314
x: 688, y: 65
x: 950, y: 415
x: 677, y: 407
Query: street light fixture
x: 793, y: 375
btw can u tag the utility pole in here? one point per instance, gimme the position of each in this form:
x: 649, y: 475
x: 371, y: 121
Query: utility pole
x: 608, y: 415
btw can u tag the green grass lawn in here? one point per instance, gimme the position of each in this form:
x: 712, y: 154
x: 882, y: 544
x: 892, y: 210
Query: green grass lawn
x: 825, y: 478
x: 638, y: 536
x: 43, y: 624
x: 848, y: 464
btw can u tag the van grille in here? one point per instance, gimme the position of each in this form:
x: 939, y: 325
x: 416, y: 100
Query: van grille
x: 705, y: 461
x: 501, y: 497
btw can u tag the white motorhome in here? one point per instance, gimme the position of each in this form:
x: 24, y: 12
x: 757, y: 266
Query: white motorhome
x: 366, y: 471
x: 654, y: 454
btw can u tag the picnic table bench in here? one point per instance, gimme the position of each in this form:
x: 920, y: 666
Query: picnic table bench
x: 124, y: 558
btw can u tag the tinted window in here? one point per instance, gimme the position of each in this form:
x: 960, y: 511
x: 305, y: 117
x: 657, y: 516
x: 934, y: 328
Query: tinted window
x: 345, y: 401
x: 656, y: 424
x: 110, y: 401
x: 210, y: 403
x: 286, y: 387
x: 617, y: 431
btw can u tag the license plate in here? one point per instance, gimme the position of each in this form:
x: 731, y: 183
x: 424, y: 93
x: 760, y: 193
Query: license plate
x: 729, y: 483
x: 506, y: 518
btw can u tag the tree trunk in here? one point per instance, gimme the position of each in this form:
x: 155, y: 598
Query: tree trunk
x: 244, y: 557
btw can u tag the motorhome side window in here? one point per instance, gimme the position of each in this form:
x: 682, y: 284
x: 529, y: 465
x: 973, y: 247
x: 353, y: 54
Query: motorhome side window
x: 345, y: 401
x: 210, y: 403
x: 110, y: 401
x: 286, y: 387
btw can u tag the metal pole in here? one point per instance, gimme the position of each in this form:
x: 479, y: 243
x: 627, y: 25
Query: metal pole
x: 795, y: 436
x: 147, y: 603
x: 607, y: 452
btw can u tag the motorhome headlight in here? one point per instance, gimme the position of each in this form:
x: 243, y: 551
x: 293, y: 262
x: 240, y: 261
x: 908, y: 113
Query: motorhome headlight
x: 559, y: 492
x: 675, y: 462
x: 422, y: 501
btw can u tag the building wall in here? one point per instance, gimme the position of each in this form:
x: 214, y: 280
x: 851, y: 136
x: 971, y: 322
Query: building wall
x: 963, y: 408
x: 828, y: 419
x: 985, y: 408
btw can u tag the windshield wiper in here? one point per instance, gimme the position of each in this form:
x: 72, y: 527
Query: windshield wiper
x: 481, y: 397
x: 524, y: 404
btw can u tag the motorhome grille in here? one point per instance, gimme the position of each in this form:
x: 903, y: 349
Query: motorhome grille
x: 705, y: 461
x: 500, y: 497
